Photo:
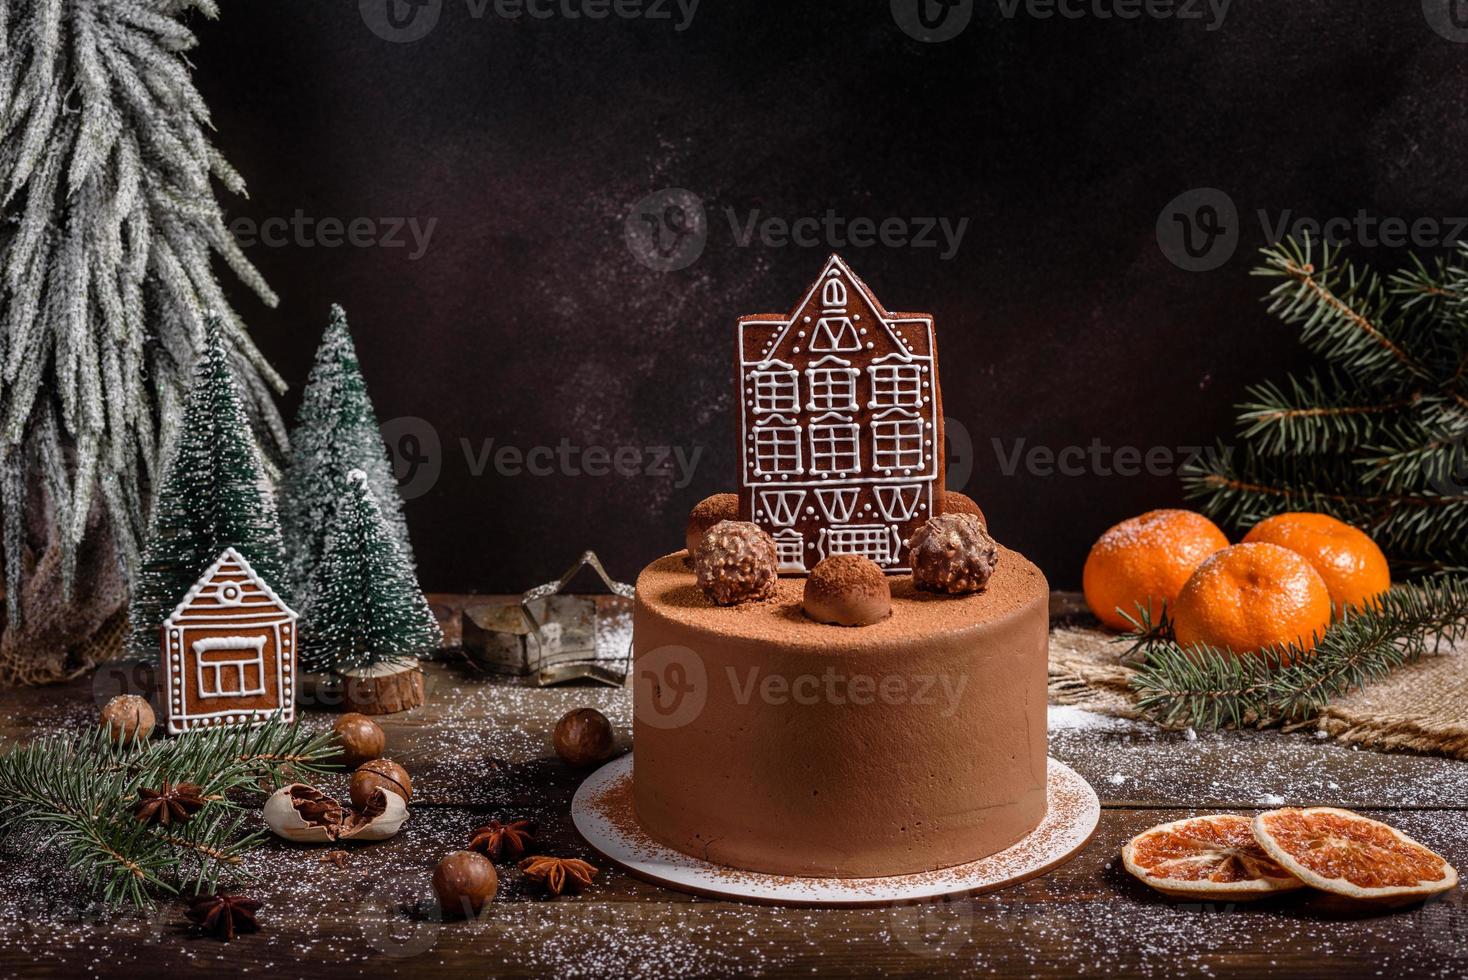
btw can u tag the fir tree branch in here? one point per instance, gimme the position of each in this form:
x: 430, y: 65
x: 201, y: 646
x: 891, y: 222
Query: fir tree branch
x: 1210, y: 688
x: 1339, y: 309
x: 78, y: 791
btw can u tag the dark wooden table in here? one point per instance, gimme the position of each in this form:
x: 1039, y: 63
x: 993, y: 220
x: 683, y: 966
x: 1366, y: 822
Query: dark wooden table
x: 481, y: 749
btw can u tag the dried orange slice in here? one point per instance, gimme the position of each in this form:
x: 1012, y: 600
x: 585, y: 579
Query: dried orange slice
x: 1213, y: 858
x: 1347, y: 854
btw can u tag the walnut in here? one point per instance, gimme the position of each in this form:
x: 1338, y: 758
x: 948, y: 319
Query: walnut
x: 952, y: 553
x: 736, y: 563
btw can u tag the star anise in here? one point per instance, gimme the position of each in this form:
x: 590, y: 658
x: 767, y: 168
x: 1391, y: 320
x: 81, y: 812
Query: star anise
x: 510, y: 839
x: 556, y: 874
x: 223, y: 915
x: 174, y: 803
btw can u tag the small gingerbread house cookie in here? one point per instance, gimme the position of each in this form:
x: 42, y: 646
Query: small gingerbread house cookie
x: 840, y: 425
x: 229, y: 651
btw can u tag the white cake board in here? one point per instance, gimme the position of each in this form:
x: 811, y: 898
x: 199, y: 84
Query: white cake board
x: 603, y: 814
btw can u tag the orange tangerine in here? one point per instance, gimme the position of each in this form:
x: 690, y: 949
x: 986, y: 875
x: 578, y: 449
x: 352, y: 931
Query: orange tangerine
x: 1353, y: 567
x: 1145, y: 560
x: 1251, y: 596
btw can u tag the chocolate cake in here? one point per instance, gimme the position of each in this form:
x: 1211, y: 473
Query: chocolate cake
x: 831, y: 731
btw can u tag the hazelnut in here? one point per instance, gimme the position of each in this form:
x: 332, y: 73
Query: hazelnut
x: 583, y: 737
x: 379, y: 774
x: 362, y: 739
x: 736, y: 563
x: 952, y: 553
x: 848, y: 590
x: 464, y: 882
x: 705, y: 514
x: 128, y: 716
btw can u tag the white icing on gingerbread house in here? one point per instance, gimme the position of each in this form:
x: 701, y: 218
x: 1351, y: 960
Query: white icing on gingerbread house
x: 841, y: 424
x: 229, y: 651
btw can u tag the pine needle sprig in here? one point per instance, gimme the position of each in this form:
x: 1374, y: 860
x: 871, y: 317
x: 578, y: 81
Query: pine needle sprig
x: 1315, y: 414
x: 78, y: 792
x: 1210, y: 688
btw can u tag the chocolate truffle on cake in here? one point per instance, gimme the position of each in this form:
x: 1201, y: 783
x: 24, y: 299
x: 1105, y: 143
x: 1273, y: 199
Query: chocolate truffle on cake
x: 959, y: 503
x: 848, y: 590
x: 952, y: 553
x: 736, y: 563
x: 705, y: 514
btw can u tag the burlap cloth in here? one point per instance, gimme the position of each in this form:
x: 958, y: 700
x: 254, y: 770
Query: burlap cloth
x: 1421, y: 707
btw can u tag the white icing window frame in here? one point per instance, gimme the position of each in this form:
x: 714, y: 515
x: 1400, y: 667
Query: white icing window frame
x: 830, y: 385
x: 783, y: 434
x: 216, y: 668
x: 888, y: 449
x: 890, y: 385
x: 774, y: 390
x: 829, y: 432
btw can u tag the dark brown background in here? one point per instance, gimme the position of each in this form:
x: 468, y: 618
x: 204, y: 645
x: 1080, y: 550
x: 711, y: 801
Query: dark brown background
x: 1060, y: 320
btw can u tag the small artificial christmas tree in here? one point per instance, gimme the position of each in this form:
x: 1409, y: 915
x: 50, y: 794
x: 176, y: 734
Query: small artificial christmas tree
x: 214, y: 495
x: 365, y: 617
x: 336, y: 431
x: 108, y: 239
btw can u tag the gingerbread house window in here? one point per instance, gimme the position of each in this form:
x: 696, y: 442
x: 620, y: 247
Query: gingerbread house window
x: 897, y: 442
x: 777, y: 450
x: 835, y: 447
x: 835, y: 333
x: 896, y: 385
x: 872, y: 541
x: 833, y: 294
x: 790, y: 549
x: 775, y: 391
x: 831, y: 383
x: 230, y: 666
x: 781, y: 507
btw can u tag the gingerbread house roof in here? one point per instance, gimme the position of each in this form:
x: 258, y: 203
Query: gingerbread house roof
x: 231, y: 585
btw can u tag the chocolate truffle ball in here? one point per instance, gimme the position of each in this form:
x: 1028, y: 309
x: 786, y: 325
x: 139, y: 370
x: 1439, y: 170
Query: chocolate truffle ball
x: 705, y: 514
x: 952, y: 553
x: 848, y: 590
x: 126, y: 716
x: 464, y: 882
x: 736, y: 563
x: 362, y: 739
x: 375, y: 775
x: 957, y: 503
x: 583, y: 737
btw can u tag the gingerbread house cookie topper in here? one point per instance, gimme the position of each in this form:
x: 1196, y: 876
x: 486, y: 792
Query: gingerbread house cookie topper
x: 841, y: 425
x: 229, y: 651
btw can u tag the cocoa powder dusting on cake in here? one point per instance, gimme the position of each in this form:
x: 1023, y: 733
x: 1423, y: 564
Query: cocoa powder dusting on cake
x: 671, y: 591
